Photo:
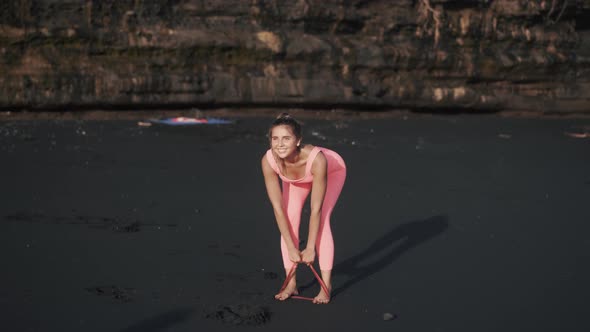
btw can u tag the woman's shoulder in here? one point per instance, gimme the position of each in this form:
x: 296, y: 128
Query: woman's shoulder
x: 309, y: 148
x: 312, y: 149
x: 267, y: 159
x: 316, y: 157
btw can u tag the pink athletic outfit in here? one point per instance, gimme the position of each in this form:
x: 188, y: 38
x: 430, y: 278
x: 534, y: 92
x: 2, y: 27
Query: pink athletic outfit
x: 296, y: 191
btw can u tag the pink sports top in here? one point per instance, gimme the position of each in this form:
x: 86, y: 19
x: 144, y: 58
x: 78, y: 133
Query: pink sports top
x: 335, y: 162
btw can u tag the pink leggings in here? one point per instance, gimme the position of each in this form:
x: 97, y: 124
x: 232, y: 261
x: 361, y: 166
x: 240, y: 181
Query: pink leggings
x: 294, y: 196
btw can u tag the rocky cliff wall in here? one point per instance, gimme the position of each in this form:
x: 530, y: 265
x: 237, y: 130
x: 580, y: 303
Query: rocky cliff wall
x: 435, y: 54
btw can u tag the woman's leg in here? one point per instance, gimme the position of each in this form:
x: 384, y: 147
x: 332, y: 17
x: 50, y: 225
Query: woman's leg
x: 293, y: 199
x: 325, y: 240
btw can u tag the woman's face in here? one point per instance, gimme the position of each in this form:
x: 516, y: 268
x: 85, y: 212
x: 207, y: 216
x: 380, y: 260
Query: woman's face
x: 283, y: 141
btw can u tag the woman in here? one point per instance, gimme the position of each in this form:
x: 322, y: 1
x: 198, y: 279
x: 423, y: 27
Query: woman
x: 302, y: 169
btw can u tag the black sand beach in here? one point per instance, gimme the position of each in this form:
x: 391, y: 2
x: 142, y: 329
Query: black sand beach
x: 451, y: 223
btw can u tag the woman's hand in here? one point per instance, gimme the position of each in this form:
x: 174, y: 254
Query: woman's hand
x: 308, y: 255
x: 295, y: 255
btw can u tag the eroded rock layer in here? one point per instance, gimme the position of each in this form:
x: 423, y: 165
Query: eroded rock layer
x: 441, y: 54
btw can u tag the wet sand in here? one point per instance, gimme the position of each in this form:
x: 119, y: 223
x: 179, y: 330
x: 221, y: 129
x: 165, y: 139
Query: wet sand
x: 448, y: 223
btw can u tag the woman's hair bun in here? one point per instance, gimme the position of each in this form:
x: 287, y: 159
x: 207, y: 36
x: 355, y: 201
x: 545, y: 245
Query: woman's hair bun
x: 284, y: 116
x: 287, y: 119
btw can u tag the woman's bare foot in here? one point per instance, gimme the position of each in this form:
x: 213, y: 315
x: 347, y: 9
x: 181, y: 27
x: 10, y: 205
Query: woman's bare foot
x: 290, y: 290
x: 322, y: 297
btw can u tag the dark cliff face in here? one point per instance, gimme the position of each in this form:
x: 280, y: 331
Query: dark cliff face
x: 480, y: 54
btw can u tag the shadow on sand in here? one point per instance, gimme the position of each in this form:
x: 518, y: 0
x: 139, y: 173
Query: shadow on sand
x: 384, y: 251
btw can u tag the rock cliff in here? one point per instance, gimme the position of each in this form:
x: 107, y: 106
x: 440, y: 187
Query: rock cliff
x: 421, y: 54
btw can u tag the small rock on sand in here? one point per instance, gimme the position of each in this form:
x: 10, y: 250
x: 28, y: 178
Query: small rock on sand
x: 389, y: 316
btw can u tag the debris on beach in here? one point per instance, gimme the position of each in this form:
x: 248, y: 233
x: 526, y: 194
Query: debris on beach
x: 80, y: 131
x: 318, y: 135
x: 114, y: 224
x: 578, y: 134
x: 184, y: 121
x: 389, y: 316
x: 119, y: 294
x: 341, y: 125
x: 130, y: 228
x: 241, y: 314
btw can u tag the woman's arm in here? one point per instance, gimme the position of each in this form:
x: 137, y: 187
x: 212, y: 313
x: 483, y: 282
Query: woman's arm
x: 319, y: 169
x: 273, y: 190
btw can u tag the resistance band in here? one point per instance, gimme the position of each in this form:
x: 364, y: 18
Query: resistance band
x: 290, y: 275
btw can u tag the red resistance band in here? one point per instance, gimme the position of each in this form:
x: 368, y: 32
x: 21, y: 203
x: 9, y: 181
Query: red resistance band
x: 290, y: 275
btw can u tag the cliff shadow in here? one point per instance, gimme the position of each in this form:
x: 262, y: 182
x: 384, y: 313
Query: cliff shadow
x: 384, y: 251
